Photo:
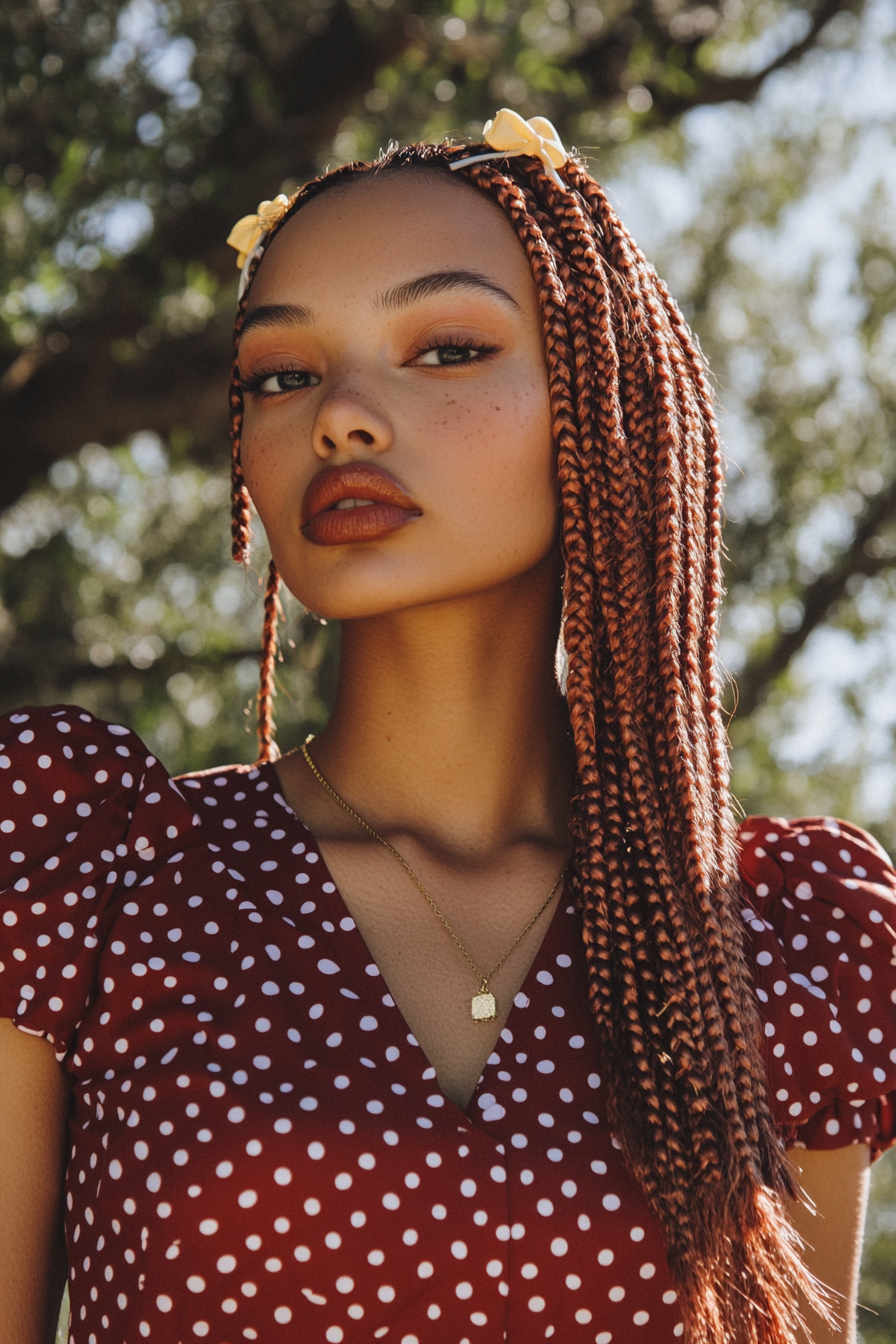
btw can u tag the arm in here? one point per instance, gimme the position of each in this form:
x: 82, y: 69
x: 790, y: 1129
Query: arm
x: 34, y: 1099
x: 836, y: 1180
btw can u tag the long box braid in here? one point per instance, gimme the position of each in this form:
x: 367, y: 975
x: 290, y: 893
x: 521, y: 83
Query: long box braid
x: 655, y: 866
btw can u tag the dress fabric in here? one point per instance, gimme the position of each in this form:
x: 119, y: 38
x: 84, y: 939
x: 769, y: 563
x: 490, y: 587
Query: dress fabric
x: 259, y: 1149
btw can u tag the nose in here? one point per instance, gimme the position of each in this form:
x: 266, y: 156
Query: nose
x: 349, y: 422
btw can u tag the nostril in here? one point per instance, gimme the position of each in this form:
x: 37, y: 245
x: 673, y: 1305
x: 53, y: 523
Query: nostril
x: 362, y: 434
x: 328, y: 443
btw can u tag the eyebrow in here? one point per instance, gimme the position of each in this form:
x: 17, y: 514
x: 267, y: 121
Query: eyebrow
x: 438, y: 282
x: 400, y: 296
x: 277, y: 315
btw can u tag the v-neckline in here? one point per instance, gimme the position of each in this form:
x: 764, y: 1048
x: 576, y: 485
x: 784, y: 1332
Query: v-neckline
x: 343, y: 912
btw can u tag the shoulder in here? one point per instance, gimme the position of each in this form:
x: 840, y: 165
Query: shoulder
x: 819, y: 900
x: 86, y: 812
x: 47, y: 749
x: 64, y: 772
x: 828, y: 855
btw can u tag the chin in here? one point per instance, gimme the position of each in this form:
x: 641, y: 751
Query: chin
x: 359, y: 583
x: 361, y: 597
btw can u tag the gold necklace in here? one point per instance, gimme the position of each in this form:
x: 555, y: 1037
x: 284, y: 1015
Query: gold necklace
x: 482, y: 1006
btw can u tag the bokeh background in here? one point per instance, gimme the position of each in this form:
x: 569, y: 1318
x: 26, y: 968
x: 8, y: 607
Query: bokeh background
x: 748, y: 143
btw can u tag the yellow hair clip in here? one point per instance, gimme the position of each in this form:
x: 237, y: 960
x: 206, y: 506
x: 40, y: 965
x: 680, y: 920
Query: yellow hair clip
x: 249, y: 233
x: 509, y: 134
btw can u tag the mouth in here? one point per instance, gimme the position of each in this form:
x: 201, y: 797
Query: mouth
x: 359, y: 502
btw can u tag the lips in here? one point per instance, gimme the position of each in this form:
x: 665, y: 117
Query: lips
x: 359, y: 502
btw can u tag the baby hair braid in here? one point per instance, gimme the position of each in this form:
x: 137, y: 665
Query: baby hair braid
x: 655, y: 872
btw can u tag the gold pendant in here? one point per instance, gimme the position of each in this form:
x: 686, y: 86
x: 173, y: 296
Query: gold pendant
x: 483, y: 1007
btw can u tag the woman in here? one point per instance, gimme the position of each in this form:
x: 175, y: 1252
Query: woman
x: 471, y: 1020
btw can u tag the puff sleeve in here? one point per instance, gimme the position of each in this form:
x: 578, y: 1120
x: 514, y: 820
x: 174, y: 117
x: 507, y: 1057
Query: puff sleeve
x: 85, y: 813
x: 820, y: 908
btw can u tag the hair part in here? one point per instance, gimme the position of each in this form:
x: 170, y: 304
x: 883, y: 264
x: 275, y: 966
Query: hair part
x: 655, y: 862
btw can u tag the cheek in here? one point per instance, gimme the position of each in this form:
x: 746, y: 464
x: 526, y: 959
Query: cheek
x: 503, y: 464
x: 267, y: 469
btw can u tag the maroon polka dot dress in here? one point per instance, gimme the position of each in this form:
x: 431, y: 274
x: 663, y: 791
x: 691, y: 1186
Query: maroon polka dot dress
x: 259, y: 1149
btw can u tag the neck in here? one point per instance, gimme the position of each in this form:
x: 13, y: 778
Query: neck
x: 448, y: 724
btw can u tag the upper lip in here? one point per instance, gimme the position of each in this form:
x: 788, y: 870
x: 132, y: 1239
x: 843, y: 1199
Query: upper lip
x: 358, y: 480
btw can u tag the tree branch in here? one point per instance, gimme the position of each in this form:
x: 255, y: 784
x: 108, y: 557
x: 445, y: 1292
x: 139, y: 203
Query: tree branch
x: 605, y: 60
x: 715, y: 88
x: 818, y: 600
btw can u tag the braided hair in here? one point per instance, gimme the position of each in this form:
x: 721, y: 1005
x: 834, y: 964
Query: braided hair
x: 655, y: 863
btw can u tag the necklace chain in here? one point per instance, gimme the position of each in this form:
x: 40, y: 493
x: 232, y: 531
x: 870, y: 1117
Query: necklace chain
x: 483, y: 1005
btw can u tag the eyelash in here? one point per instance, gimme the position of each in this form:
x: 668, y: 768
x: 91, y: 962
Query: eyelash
x: 457, y: 343
x: 253, y: 384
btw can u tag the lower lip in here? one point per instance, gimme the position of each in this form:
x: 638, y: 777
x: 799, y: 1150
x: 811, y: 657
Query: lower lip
x: 339, y: 527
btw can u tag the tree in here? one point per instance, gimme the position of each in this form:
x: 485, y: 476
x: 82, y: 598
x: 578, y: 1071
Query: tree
x: 133, y: 137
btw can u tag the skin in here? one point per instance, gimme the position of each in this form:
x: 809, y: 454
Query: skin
x: 449, y: 735
x: 836, y: 1183
x: 34, y: 1099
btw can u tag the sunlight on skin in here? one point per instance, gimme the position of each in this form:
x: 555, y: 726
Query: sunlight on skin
x: 33, y: 1110
x: 836, y: 1181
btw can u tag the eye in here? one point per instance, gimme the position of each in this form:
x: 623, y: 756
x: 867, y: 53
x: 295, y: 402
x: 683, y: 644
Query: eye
x: 284, y: 380
x: 448, y: 353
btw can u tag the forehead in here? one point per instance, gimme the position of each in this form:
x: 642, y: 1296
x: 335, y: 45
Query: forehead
x: 375, y: 232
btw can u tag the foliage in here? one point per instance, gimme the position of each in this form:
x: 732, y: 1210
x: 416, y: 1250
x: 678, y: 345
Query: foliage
x: 134, y: 136
x: 119, y: 594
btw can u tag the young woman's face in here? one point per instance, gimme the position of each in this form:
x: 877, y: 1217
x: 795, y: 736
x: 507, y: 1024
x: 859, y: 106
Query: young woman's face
x: 397, y: 433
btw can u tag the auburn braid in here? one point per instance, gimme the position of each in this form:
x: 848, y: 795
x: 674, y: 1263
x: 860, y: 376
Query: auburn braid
x: 696, y: 389
x: 640, y: 475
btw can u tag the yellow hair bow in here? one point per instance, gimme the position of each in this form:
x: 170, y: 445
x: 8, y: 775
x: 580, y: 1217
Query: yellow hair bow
x: 248, y: 232
x: 509, y: 134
